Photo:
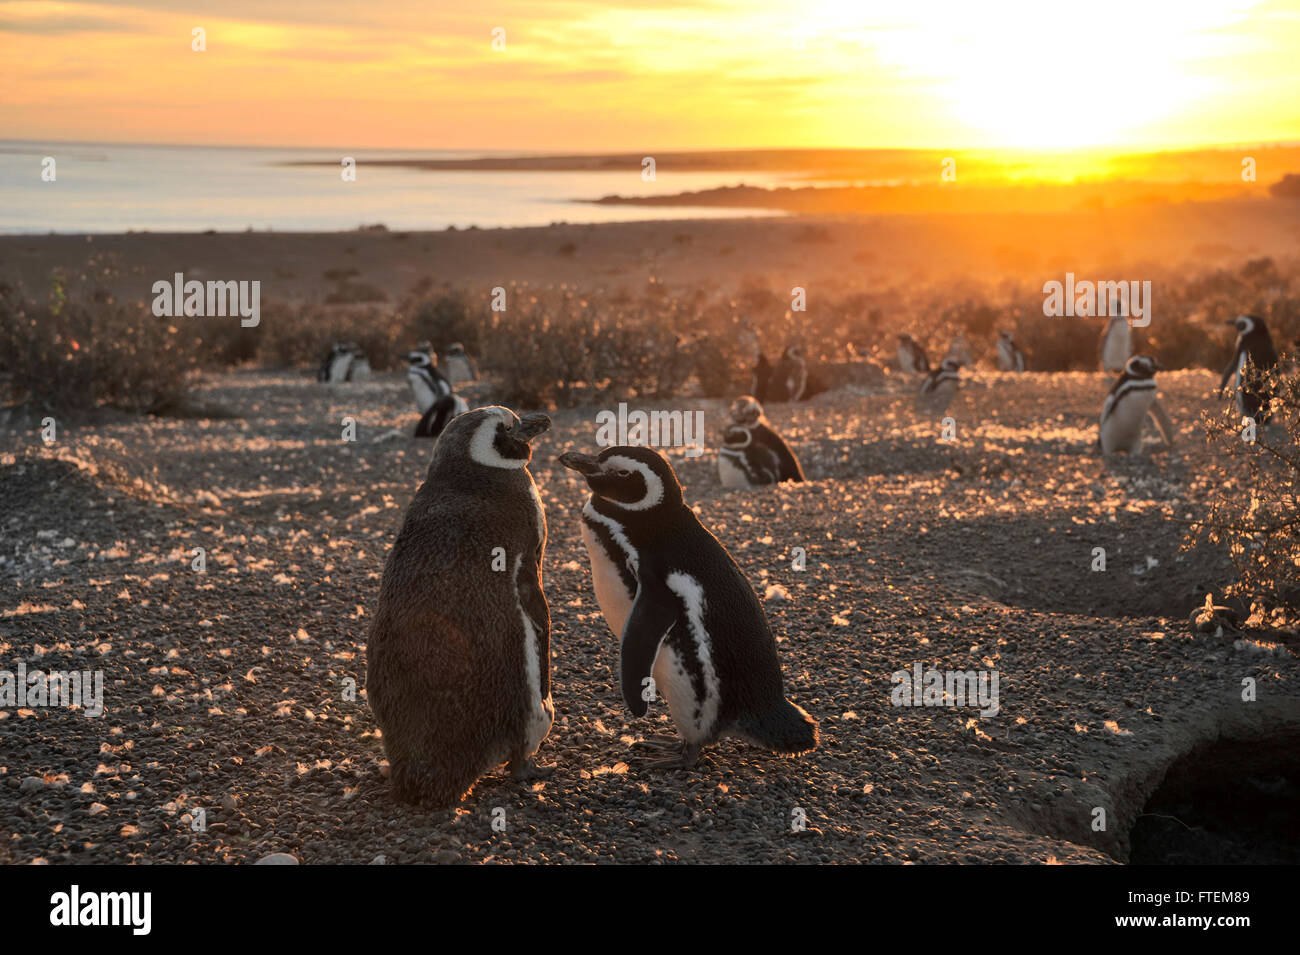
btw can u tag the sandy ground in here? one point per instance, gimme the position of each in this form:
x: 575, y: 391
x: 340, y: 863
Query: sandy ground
x: 826, y: 255
x: 227, y: 690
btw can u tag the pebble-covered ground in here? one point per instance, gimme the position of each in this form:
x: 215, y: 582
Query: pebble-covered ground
x: 236, y: 690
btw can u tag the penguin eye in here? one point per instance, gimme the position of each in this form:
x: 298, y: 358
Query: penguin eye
x: 623, y: 473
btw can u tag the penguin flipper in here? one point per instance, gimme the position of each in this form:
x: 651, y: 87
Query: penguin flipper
x: 653, y: 614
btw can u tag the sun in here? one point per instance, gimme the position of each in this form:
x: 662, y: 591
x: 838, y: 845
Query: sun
x: 1021, y: 73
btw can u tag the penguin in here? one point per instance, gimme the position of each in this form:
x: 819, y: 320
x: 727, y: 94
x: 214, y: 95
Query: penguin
x: 939, y: 387
x: 458, y: 655
x: 460, y: 369
x: 359, y: 370
x: 437, y: 402
x: 1116, y: 345
x: 743, y: 462
x: 1127, y: 405
x: 1253, y: 358
x: 746, y: 412
x: 337, y: 363
x: 960, y: 350
x: 685, y: 613
x: 790, y: 376
x: 912, y: 359
x: 1010, y: 357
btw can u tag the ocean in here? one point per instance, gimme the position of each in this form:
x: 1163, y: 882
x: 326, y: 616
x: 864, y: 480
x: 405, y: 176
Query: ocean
x: 106, y: 188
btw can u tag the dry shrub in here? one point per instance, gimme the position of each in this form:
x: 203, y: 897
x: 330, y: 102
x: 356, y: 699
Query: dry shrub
x: 1254, y: 509
x: 80, y: 349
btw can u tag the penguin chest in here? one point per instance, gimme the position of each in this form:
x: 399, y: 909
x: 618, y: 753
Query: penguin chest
x: 424, y: 396
x: 339, y: 367
x: 1115, y: 350
x: 612, y: 592
x: 906, y: 362
x: 458, y: 370
x: 1122, y: 430
x: 731, y: 469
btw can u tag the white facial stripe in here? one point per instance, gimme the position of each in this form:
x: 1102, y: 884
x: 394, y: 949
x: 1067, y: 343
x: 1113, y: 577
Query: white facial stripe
x: 483, y: 451
x: 653, y: 486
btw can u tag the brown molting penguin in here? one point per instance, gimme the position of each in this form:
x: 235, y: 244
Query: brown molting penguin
x: 458, y: 657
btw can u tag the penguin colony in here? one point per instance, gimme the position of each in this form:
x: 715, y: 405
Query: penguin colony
x: 458, y: 654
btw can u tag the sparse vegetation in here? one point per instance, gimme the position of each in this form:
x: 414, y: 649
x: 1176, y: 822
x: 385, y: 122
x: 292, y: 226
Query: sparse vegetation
x: 1254, y: 510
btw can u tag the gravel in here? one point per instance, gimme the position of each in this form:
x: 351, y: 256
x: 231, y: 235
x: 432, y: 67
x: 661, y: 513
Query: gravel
x: 236, y: 690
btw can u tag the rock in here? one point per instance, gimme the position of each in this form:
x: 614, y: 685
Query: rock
x: 277, y: 858
x: 31, y: 784
x: 446, y: 857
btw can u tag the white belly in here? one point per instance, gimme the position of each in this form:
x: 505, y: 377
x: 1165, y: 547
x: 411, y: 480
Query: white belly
x: 1123, y: 429
x: 905, y: 362
x: 1115, y: 350
x: 730, y: 473
x: 611, y: 593
x: 458, y: 370
x: 424, y: 396
x: 339, y: 367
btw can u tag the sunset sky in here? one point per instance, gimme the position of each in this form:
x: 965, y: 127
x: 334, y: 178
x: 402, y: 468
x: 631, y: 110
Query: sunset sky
x: 587, y: 75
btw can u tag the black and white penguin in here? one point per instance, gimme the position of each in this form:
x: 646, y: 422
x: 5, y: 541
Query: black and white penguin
x: 747, y: 412
x: 743, y: 462
x: 1010, y: 357
x: 434, y: 397
x: 1116, y: 345
x: 790, y: 376
x: 460, y: 368
x: 338, y: 363
x: 458, y: 656
x: 1253, y: 358
x: 1127, y: 405
x: 959, y: 350
x: 912, y: 359
x: 685, y: 613
x: 939, y: 387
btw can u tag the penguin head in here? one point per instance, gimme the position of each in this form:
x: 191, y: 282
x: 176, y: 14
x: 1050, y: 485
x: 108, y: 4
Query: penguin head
x: 736, y: 437
x: 419, y: 359
x: 492, y: 437
x: 630, y: 478
x: 746, y: 410
x: 952, y: 364
x: 904, y: 339
x: 1245, y: 324
x: 455, y: 348
x: 1142, y: 366
x: 794, y: 352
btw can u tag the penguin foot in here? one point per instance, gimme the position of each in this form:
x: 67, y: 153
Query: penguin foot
x: 686, y: 759
x: 525, y: 770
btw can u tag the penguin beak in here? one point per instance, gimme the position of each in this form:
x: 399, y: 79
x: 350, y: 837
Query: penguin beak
x: 584, y: 464
x: 530, y: 426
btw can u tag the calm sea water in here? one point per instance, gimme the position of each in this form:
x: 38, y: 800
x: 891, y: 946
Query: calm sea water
x: 113, y: 188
